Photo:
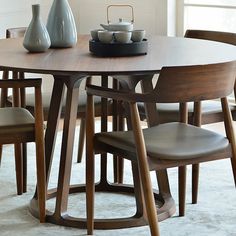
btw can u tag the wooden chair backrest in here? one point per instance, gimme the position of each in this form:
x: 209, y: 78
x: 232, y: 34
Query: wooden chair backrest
x: 181, y: 84
x: 224, y: 37
x: 195, y: 83
x: 15, y: 32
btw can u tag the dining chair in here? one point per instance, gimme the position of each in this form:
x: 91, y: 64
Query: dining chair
x: 18, y: 126
x: 211, y: 112
x: 166, y: 145
x: 12, y: 33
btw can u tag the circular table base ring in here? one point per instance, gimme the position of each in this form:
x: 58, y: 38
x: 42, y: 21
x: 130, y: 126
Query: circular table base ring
x: 165, y: 209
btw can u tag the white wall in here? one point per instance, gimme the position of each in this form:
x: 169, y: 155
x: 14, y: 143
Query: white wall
x: 149, y: 14
x: 16, y: 13
x: 90, y: 13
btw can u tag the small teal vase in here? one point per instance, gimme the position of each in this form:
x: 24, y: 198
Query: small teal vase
x: 36, y: 37
x: 61, y: 25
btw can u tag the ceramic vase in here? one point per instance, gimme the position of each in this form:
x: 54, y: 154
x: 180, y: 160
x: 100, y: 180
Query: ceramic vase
x: 61, y: 25
x: 36, y: 37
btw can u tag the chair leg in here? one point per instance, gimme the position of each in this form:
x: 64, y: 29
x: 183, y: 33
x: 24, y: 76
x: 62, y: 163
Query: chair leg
x: 230, y: 132
x: 150, y: 206
x: 41, y: 181
x: 233, y: 163
x: 195, y: 181
x: 3, y: 102
x: 118, y: 162
x: 4, y: 91
x: 90, y: 186
x: 144, y: 172
x: 182, y: 189
x: 90, y: 190
x: 24, y: 150
x: 0, y: 154
x: 82, y: 132
x: 121, y: 170
x: 19, y: 168
x: 118, y: 169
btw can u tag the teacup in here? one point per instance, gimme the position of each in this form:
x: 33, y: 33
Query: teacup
x: 138, y: 35
x: 94, y: 34
x: 105, y: 36
x: 123, y: 36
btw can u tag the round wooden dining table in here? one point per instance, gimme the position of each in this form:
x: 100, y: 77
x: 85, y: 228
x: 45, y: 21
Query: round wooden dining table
x: 69, y: 67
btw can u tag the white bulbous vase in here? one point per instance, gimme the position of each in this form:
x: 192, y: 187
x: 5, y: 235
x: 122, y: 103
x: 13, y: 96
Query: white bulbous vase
x: 61, y: 25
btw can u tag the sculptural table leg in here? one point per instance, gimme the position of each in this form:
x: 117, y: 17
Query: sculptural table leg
x: 60, y: 216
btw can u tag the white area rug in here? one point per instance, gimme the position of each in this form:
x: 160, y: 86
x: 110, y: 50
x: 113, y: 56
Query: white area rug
x: 215, y: 213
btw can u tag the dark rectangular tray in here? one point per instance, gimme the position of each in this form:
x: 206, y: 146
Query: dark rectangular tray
x: 115, y: 49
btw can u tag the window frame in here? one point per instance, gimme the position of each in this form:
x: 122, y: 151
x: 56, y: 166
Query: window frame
x: 180, y: 12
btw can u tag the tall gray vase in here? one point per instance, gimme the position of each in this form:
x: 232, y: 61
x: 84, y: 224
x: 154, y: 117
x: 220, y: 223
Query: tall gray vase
x: 36, y: 37
x: 61, y: 25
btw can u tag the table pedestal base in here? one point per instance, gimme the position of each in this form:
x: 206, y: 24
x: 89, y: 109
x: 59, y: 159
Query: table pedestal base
x: 165, y: 209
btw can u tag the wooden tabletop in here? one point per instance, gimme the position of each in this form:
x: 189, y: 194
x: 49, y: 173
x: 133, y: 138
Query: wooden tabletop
x: 162, y: 51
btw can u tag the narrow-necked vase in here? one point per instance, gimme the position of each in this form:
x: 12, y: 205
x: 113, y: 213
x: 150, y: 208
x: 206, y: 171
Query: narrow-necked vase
x: 36, y: 37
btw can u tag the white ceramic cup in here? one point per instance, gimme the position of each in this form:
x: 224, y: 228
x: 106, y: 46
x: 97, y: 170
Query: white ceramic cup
x: 123, y: 36
x: 94, y: 34
x: 138, y: 35
x: 105, y: 36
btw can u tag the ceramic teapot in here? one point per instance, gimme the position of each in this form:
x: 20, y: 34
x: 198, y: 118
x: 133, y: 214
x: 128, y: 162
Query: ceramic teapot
x: 121, y: 25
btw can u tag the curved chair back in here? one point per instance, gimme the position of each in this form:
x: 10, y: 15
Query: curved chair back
x: 223, y: 37
x: 15, y: 32
x: 195, y: 83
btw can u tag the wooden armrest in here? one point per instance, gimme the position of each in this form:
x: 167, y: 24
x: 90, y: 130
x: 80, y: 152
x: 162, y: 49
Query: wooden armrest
x: 117, y: 94
x: 20, y: 83
x: 24, y: 83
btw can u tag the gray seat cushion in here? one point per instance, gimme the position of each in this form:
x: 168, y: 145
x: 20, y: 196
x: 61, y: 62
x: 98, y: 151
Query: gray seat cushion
x: 169, y: 141
x: 14, y: 119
